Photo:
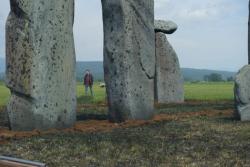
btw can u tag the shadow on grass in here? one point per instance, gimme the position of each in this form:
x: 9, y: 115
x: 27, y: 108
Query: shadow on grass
x: 227, y: 119
x: 85, y: 100
x: 193, y: 106
x: 99, y: 117
x: 92, y: 112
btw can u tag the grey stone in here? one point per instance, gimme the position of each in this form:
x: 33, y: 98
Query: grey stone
x: 41, y: 64
x: 167, y: 27
x: 168, y: 80
x: 249, y: 33
x: 242, y: 94
x: 4, y: 119
x: 129, y: 58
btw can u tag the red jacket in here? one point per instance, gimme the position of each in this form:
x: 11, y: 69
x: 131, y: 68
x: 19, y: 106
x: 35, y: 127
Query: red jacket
x: 88, y: 79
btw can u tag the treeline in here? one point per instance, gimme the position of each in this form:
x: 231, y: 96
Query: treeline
x: 214, y: 77
x: 2, y: 76
x: 189, y: 74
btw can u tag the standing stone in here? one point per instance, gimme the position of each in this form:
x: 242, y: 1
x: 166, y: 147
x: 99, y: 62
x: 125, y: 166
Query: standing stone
x: 242, y: 94
x: 242, y: 88
x: 249, y: 35
x: 129, y: 58
x: 168, y: 80
x: 41, y: 64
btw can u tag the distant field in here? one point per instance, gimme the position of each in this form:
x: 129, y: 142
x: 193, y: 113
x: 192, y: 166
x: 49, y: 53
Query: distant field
x: 4, y: 94
x: 99, y: 94
x: 209, y: 91
x: 193, y: 91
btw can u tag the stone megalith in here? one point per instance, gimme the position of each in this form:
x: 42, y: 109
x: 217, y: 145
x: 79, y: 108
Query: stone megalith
x: 242, y: 89
x: 41, y: 64
x: 168, y: 79
x: 129, y: 58
x: 249, y: 35
x: 242, y: 94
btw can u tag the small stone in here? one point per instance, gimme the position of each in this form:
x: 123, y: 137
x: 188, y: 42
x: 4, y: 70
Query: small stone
x: 167, y: 27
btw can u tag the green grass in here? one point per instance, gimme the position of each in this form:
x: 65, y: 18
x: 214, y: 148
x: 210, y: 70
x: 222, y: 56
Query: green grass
x: 4, y: 94
x: 194, y: 107
x: 209, y: 91
x: 99, y: 94
x: 193, y: 91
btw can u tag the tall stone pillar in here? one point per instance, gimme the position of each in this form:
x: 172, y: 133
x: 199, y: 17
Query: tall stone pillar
x: 41, y: 64
x: 242, y: 89
x: 249, y: 35
x: 169, y: 86
x: 129, y: 58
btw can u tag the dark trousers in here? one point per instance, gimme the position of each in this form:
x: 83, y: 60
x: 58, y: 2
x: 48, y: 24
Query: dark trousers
x: 88, y: 87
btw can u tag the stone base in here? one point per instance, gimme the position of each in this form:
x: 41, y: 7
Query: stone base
x: 40, y: 64
x: 26, y: 115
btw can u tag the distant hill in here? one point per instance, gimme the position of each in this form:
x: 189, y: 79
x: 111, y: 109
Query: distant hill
x: 191, y: 74
x: 2, y: 65
x: 2, y: 68
x: 96, y: 68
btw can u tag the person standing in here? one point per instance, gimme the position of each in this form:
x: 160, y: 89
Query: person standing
x: 88, y: 82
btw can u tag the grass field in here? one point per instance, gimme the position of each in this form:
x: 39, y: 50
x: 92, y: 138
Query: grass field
x: 209, y: 91
x: 4, y: 94
x: 200, y: 132
x: 193, y: 91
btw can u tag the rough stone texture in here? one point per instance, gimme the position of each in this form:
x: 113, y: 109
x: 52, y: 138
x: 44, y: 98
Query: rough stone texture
x: 41, y: 64
x: 4, y: 119
x: 242, y: 94
x: 168, y: 80
x: 167, y: 27
x: 249, y: 34
x: 129, y: 58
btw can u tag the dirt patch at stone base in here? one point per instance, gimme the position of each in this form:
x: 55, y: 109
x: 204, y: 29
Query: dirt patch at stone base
x: 91, y: 126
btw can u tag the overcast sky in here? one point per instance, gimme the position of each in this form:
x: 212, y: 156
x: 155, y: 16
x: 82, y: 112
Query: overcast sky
x: 212, y: 34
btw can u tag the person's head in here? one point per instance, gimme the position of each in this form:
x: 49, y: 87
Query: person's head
x: 87, y: 72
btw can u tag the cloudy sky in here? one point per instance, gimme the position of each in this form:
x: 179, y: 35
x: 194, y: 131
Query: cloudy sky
x: 212, y: 34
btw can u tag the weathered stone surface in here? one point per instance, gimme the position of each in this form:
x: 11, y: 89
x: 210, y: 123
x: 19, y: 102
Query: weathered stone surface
x: 129, y: 58
x: 4, y: 119
x: 249, y: 33
x: 167, y: 27
x: 41, y: 64
x: 242, y: 94
x: 168, y: 80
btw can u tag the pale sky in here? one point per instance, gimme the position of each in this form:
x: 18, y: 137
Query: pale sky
x: 212, y: 34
